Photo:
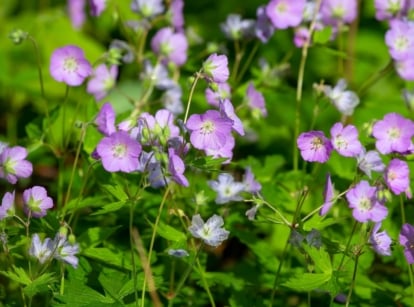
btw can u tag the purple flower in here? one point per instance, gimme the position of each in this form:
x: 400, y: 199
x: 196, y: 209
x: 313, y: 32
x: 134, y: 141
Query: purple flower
x: 255, y: 101
x: 328, y: 196
x: 97, y: 7
x: 217, y: 92
x: 345, y: 140
x: 103, y: 79
x: 250, y: 183
x: 264, y: 28
x: 158, y: 129
x: 301, y: 36
x: 176, y: 168
x: 209, y: 130
x: 405, y: 68
x: 7, y: 205
x: 251, y: 213
x: 105, y: 120
x: 362, y: 198
x: 345, y: 101
x: 13, y: 164
x: 177, y: 16
x: 42, y: 251
x: 157, y: 75
x: 334, y: 12
x: 171, y: 45
x: 393, y: 134
x: 406, y: 239
x: 76, y: 10
x: 284, y: 13
x: 36, y: 202
x: 216, y: 69
x: 380, y: 241
x: 314, y: 146
x: 399, y: 39
x: 68, y: 65
x: 119, y: 152
x: 211, y: 232
x: 227, y: 189
x: 226, y: 107
x: 397, y: 177
x: 225, y: 151
x: 147, y: 8
x: 179, y: 253
x: 370, y: 161
x: 388, y: 9
x: 236, y: 28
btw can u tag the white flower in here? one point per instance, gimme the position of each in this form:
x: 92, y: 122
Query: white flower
x: 227, y: 189
x: 344, y: 101
x: 210, y: 232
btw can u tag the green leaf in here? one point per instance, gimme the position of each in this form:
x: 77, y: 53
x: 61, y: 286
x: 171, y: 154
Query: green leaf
x: 116, y: 191
x: 40, y: 284
x: 112, y: 207
x: 109, y: 257
x: 170, y: 233
x: 322, y: 36
x: 307, y: 281
x: 78, y: 294
x: 320, y: 258
x: 96, y: 235
x: 18, y: 275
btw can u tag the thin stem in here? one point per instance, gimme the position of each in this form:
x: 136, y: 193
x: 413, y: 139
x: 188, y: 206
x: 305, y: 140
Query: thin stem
x: 131, y: 242
x: 248, y: 62
x: 190, y: 96
x: 238, y: 57
x: 299, y: 87
x: 65, y: 99
x: 376, y: 77
x: 205, y: 284
x: 348, y: 244
x: 39, y: 66
x: 348, y: 298
x: 147, y: 265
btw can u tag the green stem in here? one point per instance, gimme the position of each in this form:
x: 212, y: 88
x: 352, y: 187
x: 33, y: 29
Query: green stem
x: 376, y: 77
x: 190, y: 96
x: 131, y: 242
x: 157, y: 220
x: 248, y: 62
x: 205, y: 284
x: 348, y: 298
x: 39, y: 65
x: 299, y: 87
x: 348, y: 244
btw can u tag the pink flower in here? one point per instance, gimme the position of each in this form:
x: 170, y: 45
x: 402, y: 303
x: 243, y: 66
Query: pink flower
x: 314, y: 146
x: 103, y: 79
x: 284, y: 13
x: 36, y: 202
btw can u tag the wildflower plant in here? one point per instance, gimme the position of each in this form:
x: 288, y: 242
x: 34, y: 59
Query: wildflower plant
x: 168, y: 153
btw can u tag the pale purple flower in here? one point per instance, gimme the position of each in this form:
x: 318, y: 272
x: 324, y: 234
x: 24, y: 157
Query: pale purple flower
x: 119, y: 152
x: 176, y: 168
x: 406, y: 239
x: 65, y: 251
x: 314, y: 146
x: 217, y: 92
x: 97, y: 7
x: 285, y: 13
x: 236, y: 28
x: 388, y: 9
x: 226, y: 151
x: 397, y: 177
x: 344, y: 100
x: 393, y: 133
x: 209, y: 130
x: 334, y: 12
x: 362, y: 198
x: 400, y: 39
x: 345, y: 140
x: 171, y: 45
x: 179, y: 253
x: 328, y: 196
x: 7, y: 205
x: 255, y: 101
x: 13, y: 164
x: 177, y: 16
x: 211, y: 232
x: 157, y: 129
x: 250, y: 183
x: 105, y: 120
x: 147, y: 8
x: 405, y: 68
x: 69, y: 65
x: 226, y: 188
x: 226, y: 107
x: 171, y: 100
x: 42, y: 251
x: 36, y: 202
x: 264, y: 28
x: 102, y: 80
x: 157, y: 75
x: 251, y: 213
x: 76, y: 11
x: 380, y: 241
x: 301, y: 36
x: 215, y: 68
x: 370, y: 161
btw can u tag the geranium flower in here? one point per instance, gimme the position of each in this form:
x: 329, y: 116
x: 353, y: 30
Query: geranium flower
x: 170, y: 45
x: 69, y: 65
x: 103, y: 79
x: 227, y: 189
x: 7, y: 205
x: 215, y: 68
x: 13, y: 164
x: 314, y: 146
x: 406, y: 239
x: 380, y: 241
x: 284, y: 13
x: 211, y: 232
x: 397, y: 177
x: 345, y: 140
x: 36, y: 201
